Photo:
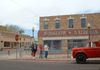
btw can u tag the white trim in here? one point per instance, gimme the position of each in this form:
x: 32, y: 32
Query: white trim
x: 61, y: 38
x: 83, y: 17
x: 46, y: 19
x: 57, y: 18
x: 70, y: 17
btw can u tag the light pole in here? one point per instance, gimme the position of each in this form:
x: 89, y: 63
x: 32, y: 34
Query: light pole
x: 16, y: 38
x: 33, y: 33
x: 89, y: 28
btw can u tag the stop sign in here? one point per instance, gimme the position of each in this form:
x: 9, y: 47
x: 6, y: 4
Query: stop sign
x: 16, y: 37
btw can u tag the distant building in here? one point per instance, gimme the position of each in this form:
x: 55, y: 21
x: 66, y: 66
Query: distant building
x: 68, y: 31
x: 7, y: 39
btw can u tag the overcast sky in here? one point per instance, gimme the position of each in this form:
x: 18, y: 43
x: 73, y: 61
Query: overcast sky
x: 26, y: 13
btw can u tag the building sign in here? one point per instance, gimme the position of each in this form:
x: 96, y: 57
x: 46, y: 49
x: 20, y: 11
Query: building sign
x: 68, y: 32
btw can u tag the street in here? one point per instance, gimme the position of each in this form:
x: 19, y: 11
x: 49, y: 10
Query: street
x: 30, y: 65
x: 54, y: 62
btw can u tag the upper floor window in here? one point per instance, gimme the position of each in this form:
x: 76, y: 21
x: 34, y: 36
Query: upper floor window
x: 57, y: 23
x: 45, y: 25
x: 70, y: 23
x: 83, y: 22
x: 46, y: 20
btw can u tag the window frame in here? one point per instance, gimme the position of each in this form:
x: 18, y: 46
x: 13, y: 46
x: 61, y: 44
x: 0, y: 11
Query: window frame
x: 70, y: 24
x: 46, y: 21
x: 57, y: 23
x: 45, y: 24
x: 83, y: 24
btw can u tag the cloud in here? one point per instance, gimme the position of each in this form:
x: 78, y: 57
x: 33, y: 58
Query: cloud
x: 26, y: 23
x: 26, y: 13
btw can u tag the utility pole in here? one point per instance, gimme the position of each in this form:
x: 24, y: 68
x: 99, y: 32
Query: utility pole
x: 89, y: 29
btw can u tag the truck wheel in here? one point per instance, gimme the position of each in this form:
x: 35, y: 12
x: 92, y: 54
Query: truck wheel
x: 81, y: 58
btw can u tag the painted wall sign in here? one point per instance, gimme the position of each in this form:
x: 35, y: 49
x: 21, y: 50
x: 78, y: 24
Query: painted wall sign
x: 68, y: 32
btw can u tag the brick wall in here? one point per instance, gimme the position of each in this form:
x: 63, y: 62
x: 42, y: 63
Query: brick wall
x: 93, y: 19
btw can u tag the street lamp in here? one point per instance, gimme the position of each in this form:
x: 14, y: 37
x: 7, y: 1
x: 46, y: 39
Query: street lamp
x: 89, y: 28
x: 33, y: 32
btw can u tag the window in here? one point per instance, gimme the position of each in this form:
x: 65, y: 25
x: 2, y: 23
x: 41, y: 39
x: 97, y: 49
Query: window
x: 76, y: 43
x: 83, y: 22
x: 53, y: 44
x: 70, y: 23
x: 46, y: 20
x: 45, y: 25
x: 57, y: 24
x: 6, y: 44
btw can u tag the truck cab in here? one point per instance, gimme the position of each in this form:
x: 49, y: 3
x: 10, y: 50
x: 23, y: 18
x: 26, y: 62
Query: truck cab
x: 83, y: 53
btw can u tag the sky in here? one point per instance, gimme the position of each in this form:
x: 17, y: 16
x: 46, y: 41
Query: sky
x: 26, y: 13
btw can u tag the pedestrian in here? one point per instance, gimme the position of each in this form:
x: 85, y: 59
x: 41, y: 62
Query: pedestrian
x: 46, y: 49
x: 40, y: 51
x: 8, y: 51
x: 34, y: 50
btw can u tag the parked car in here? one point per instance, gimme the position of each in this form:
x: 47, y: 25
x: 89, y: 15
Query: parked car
x: 83, y: 53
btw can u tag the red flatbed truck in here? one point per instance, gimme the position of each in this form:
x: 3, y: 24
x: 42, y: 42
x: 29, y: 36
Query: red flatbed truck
x: 83, y: 53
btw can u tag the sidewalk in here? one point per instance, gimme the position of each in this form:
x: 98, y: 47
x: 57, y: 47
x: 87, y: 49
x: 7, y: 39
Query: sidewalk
x: 22, y: 54
x: 51, y: 58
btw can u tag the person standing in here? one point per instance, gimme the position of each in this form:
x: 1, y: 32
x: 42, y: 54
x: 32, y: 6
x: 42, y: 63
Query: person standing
x: 46, y: 49
x: 34, y: 50
x: 40, y: 51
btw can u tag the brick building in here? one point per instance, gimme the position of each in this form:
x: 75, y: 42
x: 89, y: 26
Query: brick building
x: 68, y: 31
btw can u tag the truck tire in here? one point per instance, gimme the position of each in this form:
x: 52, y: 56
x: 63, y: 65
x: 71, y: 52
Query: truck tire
x: 81, y: 58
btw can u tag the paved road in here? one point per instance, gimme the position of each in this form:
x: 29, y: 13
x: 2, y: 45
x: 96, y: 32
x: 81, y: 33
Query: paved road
x: 30, y: 65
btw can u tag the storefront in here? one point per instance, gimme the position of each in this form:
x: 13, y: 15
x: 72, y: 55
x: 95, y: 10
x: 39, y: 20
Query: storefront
x: 68, y: 31
x: 67, y: 39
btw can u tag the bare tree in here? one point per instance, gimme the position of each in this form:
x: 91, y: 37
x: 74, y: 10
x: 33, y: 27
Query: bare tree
x: 14, y: 28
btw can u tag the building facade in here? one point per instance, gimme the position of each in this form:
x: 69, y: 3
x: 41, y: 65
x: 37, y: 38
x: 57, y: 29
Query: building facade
x: 7, y: 39
x: 68, y: 31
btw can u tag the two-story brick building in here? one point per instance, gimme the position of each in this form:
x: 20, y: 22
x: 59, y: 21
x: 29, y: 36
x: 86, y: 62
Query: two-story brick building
x: 68, y: 31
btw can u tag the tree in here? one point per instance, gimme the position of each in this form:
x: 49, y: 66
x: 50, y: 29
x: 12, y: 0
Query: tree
x: 14, y: 28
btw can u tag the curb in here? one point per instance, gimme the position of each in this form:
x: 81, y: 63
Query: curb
x: 40, y: 60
